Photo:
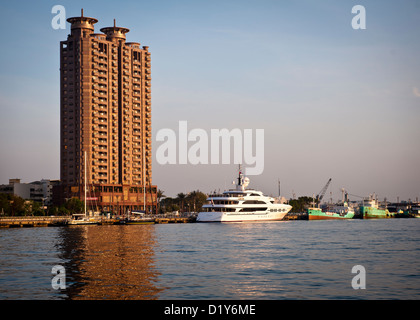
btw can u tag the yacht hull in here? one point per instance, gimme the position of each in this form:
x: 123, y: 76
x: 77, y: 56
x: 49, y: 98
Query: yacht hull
x: 239, y: 217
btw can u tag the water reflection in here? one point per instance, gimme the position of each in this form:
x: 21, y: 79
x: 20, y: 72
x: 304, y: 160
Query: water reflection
x: 109, y: 262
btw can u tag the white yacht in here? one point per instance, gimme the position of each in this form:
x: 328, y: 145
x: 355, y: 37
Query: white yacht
x: 241, y: 205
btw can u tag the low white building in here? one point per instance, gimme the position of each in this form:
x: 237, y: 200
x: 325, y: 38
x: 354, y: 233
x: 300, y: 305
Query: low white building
x: 40, y: 191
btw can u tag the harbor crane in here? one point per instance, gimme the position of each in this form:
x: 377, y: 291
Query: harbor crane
x: 322, y: 192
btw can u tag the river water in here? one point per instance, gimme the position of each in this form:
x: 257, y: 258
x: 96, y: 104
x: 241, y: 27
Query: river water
x: 274, y: 260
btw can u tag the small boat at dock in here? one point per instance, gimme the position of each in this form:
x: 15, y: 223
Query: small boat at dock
x: 137, y: 220
x: 81, y: 219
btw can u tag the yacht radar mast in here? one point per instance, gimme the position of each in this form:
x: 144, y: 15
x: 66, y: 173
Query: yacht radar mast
x: 243, y: 182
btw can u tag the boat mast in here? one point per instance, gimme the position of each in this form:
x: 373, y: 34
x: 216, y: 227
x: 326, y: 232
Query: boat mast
x: 85, y: 182
x: 144, y: 178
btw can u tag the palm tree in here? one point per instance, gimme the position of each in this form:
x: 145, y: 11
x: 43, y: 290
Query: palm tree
x: 159, y: 196
x: 181, y: 197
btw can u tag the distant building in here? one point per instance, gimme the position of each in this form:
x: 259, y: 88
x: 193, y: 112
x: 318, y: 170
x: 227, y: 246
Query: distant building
x: 106, y: 114
x: 40, y: 191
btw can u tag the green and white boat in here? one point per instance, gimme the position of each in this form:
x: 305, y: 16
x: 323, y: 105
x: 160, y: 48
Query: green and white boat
x: 341, y: 211
x: 370, y: 209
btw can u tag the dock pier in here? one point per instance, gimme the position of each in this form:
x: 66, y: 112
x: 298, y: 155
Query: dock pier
x: 295, y: 216
x: 20, y: 222
x: 175, y: 220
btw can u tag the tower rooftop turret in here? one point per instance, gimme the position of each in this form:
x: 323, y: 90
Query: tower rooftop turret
x: 115, y: 32
x: 82, y: 22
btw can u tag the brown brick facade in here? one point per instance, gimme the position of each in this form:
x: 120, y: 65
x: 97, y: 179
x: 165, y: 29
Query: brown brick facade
x: 105, y: 112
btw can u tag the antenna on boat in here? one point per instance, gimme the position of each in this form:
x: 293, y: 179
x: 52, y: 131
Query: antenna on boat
x: 240, y: 176
x: 241, y: 182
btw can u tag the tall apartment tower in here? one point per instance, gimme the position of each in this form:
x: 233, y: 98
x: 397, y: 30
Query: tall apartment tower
x: 105, y: 117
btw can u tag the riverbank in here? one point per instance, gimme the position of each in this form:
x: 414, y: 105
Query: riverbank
x: 25, y: 222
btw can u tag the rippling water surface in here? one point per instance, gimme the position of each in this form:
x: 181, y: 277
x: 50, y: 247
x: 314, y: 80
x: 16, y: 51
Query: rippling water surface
x: 276, y: 260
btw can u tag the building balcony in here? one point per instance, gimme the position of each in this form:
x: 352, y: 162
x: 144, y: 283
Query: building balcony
x: 137, y: 164
x: 99, y: 162
x: 97, y: 134
x: 99, y: 120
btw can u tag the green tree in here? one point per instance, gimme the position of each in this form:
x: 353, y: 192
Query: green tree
x: 301, y: 204
x: 195, y: 200
x: 5, y: 203
x: 74, y: 205
x: 63, y: 211
x: 181, y: 198
x: 37, y: 209
x: 17, y: 205
x: 159, y: 195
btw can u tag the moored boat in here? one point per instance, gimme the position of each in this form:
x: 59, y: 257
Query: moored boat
x: 370, y: 209
x: 338, y: 211
x: 141, y: 220
x: 241, y: 205
x: 319, y: 214
x: 82, y: 219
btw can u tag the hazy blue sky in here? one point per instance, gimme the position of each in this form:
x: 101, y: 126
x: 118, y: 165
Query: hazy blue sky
x: 334, y: 102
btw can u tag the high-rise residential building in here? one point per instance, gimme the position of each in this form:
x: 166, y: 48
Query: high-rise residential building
x: 106, y: 118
